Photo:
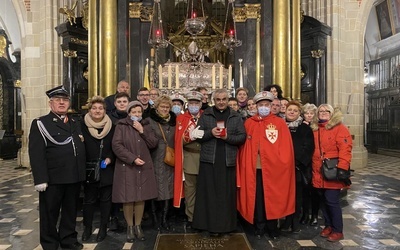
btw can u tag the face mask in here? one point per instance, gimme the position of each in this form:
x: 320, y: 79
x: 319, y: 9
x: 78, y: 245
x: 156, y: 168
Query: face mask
x: 136, y: 118
x: 263, y: 111
x: 176, y: 109
x: 194, y: 110
x: 151, y: 102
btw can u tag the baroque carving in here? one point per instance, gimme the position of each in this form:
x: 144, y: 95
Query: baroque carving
x: 70, y: 13
x: 253, y: 11
x: 3, y: 45
x: 85, y: 16
x: 70, y: 53
x: 317, y: 53
x: 17, y: 83
x: 79, y: 41
x: 137, y: 10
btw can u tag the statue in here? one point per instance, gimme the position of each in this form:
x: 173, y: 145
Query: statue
x: 69, y: 13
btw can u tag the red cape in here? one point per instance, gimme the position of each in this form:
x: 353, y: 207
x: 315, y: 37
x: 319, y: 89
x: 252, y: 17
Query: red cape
x: 182, y: 122
x: 278, y: 168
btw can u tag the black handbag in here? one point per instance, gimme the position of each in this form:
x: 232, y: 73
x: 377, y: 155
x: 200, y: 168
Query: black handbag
x: 329, y: 168
x: 329, y: 165
x: 93, y: 168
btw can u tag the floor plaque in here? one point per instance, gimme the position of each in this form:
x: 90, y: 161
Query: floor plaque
x: 236, y: 241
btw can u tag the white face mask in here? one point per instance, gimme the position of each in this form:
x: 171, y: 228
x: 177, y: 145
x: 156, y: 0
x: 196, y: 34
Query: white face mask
x: 136, y: 118
x: 263, y: 111
x: 176, y: 109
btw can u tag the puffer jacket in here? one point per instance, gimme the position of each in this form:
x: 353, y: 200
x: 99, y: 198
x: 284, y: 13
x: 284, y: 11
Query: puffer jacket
x: 334, y: 140
x: 236, y: 136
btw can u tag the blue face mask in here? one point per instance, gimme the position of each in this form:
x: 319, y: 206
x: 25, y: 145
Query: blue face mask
x: 176, y: 109
x: 263, y: 111
x: 136, y: 118
x: 151, y: 102
x: 194, y: 110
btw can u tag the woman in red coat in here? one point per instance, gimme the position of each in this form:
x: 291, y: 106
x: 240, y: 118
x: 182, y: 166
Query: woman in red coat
x: 332, y: 140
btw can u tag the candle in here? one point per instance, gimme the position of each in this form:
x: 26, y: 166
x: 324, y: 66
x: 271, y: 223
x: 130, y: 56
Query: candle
x: 229, y: 77
x: 213, y: 76
x: 240, y: 73
x: 169, y: 77
x: 177, y: 77
x: 160, y: 76
x: 152, y: 52
x: 221, y: 77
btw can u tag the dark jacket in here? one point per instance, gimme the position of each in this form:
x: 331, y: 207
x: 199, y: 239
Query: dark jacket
x: 117, y: 115
x: 164, y: 173
x: 132, y: 182
x: 57, y: 164
x: 93, y: 150
x: 236, y: 136
x: 109, y: 100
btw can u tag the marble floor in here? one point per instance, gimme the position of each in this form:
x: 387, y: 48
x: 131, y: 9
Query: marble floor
x: 371, y: 211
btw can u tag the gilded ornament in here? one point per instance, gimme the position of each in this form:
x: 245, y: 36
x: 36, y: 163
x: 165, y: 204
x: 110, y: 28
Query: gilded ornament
x: 70, y: 13
x: 17, y: 84
x: 85, y: 16
x: 70, y: 53
x: 240, y: 14
x: 253, y: 11
x: 79, y: 41
x: 3, y: 45
x: 317, y: 53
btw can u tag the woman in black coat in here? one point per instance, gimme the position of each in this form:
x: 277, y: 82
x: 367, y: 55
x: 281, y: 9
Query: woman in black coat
x: 303, y: 145
x: 98, y: 130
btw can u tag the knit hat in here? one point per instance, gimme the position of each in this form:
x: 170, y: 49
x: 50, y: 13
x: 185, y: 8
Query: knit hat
x: 133, y: 104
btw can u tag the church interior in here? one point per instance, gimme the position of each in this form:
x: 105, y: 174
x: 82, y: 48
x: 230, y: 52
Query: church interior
x: 345, y: 53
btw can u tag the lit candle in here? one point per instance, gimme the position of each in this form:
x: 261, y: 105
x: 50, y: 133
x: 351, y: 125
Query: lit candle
x: 177, y: 77
x: 160, y: 76
x: 221, y: 77
x: 169, y: 77
x: 213, y: 76
x: 229, y: 77
x: 240, y: 73
x: 152, y: 52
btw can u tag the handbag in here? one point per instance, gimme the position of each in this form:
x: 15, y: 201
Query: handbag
x: 93, y: 168
x: 329, y: 165
x: 169, y: 157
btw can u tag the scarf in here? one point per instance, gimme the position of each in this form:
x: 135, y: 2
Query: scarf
x: 294, y: 124
x: 165, y: 117
x: 93, y: 126
x: 243, y: 105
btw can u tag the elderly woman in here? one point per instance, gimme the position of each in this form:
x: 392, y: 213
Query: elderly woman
x: 310, y: 194
x: 332, y: 139
x: 134, y: 179
x: 303, y: 145
x: 162, y: 121
x: 98, y: 130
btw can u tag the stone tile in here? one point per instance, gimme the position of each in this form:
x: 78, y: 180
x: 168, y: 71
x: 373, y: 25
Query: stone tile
x: 348, y: 243
x: 306, y: 243
x: 22, y: 232
x: 7, y: 220
x: 5, y: 247
x: 364, y: 227
x: 25, y: 210
x: 389, y: 242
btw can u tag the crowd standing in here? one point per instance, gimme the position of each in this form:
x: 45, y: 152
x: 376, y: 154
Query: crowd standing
x: 256, y: 159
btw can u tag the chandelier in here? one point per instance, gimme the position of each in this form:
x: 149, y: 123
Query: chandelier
x: 156, y: 35
x: 229, y: 39
x: 195, y: 20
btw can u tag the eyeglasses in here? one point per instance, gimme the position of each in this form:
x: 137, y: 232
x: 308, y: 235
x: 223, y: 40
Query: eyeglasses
x: 153, y: 94
x: 221, y: 99
x: 143, y: 95
x: 324, y: 111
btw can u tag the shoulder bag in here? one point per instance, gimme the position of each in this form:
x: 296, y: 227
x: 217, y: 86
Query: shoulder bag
x: 329, y: 165
x: 169, y: 157
x: 93, y: 168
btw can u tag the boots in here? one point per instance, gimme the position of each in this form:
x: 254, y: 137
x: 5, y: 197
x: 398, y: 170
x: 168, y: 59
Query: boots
x: 130, y: 235
x: 164, y: 215
x: 305, y: 219
x: 154, y: 214
x: 102, y: 233
x: 139, y: 233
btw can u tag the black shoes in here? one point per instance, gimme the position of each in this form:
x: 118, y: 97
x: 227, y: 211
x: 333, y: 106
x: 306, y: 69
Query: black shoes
x: 113, y: 224
x: 75, y: 246
x: 102, y: 233
x: 139, y: 233
x: 304, y: 219
x: 87, y: 232
x: 130, y: 235
x: 259, y: 233
x: 314, y: 221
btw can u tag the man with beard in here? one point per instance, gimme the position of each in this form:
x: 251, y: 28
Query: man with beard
x: 215, y: 208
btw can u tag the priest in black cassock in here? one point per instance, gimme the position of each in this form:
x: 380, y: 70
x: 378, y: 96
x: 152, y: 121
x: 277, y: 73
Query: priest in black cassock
x: 215, y: 208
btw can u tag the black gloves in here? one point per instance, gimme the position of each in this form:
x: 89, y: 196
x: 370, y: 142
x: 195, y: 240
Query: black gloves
x: 344, y: 176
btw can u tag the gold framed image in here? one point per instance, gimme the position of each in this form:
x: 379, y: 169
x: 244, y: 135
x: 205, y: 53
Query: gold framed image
x: 384, y: 19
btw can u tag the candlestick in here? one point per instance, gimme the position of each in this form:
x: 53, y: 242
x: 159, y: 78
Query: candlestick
x: 160, y: 76
x: 169, y: 77
x: 221, y: 77
x: 177, y: 77
x: 229, y: 77
x: 213, y: 77
x: 240, y: 73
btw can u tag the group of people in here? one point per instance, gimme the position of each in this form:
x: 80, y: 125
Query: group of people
x: 246, y: 155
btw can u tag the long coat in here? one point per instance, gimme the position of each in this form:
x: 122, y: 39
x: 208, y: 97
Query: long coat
x: 132, y: 182
x: 270, y: 139
x: 92, y: 146
x: 335, y: 140
x: 164, y: 173
x: 57, y: 164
